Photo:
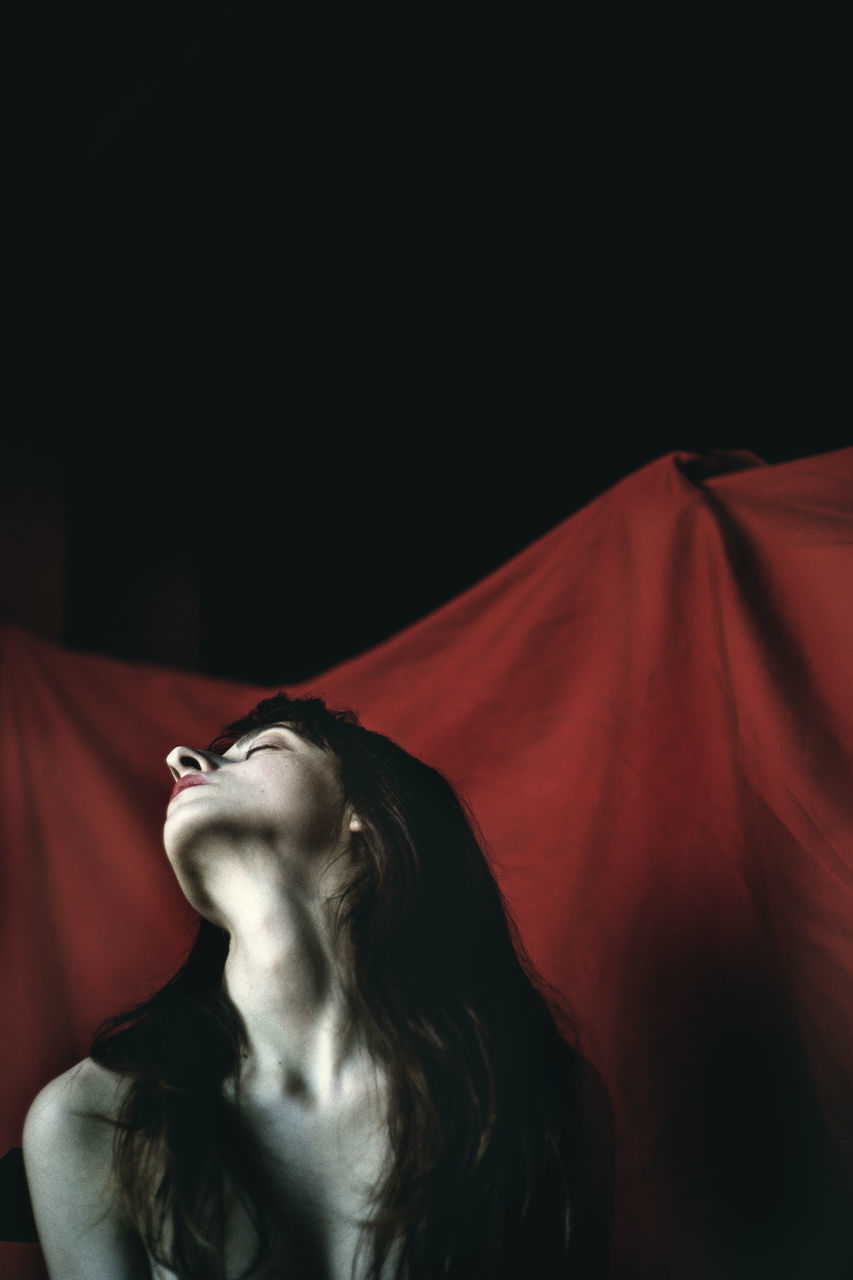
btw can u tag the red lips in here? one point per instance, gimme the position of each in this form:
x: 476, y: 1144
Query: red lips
x: 188, y: 780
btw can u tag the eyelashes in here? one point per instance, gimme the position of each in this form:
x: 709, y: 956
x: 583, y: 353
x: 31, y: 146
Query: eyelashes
x: 277, y: 742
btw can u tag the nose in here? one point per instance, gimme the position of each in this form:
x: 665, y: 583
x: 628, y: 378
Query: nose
x: 184, y: 760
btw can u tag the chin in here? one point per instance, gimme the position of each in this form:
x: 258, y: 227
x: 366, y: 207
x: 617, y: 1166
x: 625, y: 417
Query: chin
x: 189, y: 858
x: 193, y: 886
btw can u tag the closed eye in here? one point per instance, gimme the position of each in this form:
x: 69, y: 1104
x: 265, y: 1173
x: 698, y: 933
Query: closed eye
x: 276, y: 740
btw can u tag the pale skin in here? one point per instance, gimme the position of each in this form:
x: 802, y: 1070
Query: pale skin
x: 260, y: 849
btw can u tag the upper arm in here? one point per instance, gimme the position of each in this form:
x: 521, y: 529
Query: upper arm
x: 67, y: 1146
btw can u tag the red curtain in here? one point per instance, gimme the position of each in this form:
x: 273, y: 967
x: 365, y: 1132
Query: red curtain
x: 651, y: 712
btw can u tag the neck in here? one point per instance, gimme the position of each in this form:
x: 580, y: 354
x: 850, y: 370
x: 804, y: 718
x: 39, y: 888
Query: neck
x: 283, y: 975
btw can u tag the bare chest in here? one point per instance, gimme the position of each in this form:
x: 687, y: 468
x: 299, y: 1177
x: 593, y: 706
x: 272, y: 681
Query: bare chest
x: 320, y: 1171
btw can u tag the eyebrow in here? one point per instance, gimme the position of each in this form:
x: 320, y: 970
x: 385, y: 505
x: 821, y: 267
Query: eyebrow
x: 262, y: 728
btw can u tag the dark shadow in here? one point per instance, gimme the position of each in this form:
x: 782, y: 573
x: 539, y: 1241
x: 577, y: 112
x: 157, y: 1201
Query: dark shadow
x: 16, y: 1213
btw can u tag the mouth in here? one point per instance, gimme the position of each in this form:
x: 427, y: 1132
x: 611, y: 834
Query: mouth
x: 190, y: 780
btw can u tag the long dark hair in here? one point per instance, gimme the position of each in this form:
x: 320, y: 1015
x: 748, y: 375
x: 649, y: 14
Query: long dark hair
x: 482, y: 1088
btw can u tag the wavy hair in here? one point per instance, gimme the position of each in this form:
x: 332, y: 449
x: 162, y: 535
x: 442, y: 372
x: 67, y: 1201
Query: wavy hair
x: 483, y: 1086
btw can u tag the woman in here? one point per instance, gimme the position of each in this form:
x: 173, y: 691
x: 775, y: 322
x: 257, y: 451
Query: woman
x: 353, y: 1074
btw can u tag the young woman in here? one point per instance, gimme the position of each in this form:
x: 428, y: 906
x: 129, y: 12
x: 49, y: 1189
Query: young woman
x: 354, y: 1074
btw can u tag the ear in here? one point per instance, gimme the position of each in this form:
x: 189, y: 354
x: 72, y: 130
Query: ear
x: 355, y: 823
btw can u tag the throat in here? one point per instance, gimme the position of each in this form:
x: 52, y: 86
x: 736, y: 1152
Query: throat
x: 283, y: 979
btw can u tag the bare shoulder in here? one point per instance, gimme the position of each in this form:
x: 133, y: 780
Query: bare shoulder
x: 72, y: 1117
x: 68, y: 1144
x: 85, y: 1092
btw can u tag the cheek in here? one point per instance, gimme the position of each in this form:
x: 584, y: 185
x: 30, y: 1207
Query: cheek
x: 308, y: 807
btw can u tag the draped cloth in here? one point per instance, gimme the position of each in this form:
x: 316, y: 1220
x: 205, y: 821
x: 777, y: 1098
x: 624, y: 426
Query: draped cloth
x: 650, y: 711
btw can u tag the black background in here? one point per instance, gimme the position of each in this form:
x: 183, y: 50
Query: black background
x: 318, y: 320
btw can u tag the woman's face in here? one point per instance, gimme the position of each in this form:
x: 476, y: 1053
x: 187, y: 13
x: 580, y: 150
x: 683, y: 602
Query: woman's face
x: 272, y: 789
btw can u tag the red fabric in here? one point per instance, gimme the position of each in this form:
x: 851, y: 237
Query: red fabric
x: 651, y: 712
